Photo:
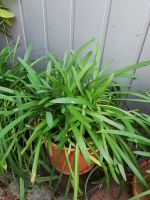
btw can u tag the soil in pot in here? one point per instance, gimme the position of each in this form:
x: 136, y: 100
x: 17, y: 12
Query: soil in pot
x: 137, y: 188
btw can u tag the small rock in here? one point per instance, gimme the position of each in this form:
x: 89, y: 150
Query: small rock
x: 12, y: 188
x: 60, y: 198
x: 1, y: 192
x: 39, y: 194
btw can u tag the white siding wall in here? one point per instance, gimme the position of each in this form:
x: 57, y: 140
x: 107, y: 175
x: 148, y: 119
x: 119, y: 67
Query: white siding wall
x: 121, y: 26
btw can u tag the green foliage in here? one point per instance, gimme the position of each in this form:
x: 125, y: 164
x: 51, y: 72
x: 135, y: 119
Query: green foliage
x: 5, y: 19
x: 77, y: 106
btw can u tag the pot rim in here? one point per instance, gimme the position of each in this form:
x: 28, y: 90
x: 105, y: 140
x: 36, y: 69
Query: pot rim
x: 71, y: 149
x: 55, y: 146
x: 134, y: 180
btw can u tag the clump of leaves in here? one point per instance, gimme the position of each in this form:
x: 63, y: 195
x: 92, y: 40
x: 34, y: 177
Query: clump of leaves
x: 78, y: 106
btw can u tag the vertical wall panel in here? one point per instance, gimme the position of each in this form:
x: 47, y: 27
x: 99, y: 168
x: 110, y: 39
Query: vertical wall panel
x: 143, y: 83
x: 126, y: 31
x: 59, y: 25
x: 34, y: 25
x: 18, y: 30
x: 90, y: 20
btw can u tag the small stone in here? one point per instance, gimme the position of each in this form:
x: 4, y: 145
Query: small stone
x: 60, y: 198
x: 12, y: 188
x: 39, y: 194
x: 1, y: 192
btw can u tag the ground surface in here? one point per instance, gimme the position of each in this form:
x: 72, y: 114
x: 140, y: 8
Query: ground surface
x: 104, y: 195
x: 10, y: 192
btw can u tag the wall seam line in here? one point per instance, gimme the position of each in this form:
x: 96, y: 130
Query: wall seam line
x: 147, y: 25
x: 72, y: 24
x: 22, y: 23
x: 109, y: 5
x: 45, y: 24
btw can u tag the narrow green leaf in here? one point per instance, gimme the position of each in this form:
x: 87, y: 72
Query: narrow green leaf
x: 37, y: 131
x: 6, y: 14
x: 43, y: 58
x: 8, y: 98
x: 112, y: 170
x: 36, y: 159
x: 104, y: 87
x: 130, y: 135
x: 71, y: 100
x: 49, y: 119
x: 86, y: 58
x: 22, y: 189
x: 132, y: 167
x: 122, y: 171
x: 8, y: 151
x: 139, y: 196
x: 78, y: 116
x: 106, y: 66
x: 80, y: 142
x: 13, y: 123
x: 98, y: 143
x: 6, y: 90
x: 77, y: 80
x: 32, y: 75
x: 97, y: 54
x: 28, y: 52
x: 78, y: 51
x: 142, y: 153
x: 76, y: 180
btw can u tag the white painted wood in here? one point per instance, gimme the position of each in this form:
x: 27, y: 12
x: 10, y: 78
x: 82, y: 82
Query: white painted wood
x: 143, y: 83
x: 18, y: 29
x: 59, y: 25
x: 126, y: 31
x: 90, y: 20
x: 33, y: 19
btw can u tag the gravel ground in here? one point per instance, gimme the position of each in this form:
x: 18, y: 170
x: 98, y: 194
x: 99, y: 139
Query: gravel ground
x: 10, y: 192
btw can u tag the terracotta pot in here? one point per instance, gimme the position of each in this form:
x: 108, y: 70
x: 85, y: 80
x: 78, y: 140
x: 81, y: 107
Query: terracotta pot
x: 136, y: 187
x: 83, y: 167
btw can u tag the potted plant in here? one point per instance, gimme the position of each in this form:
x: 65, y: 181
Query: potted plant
x: 74, y: 109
